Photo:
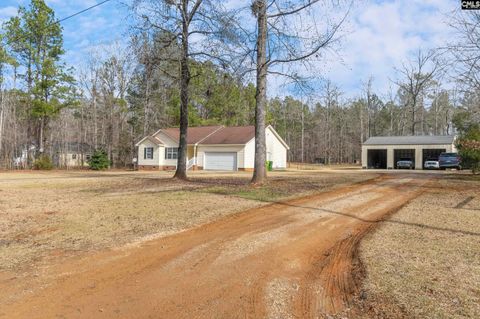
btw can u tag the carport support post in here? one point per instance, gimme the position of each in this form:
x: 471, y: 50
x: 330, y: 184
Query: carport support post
x: 364, y: 157
x: 390, y: 158
x: 418, y: 158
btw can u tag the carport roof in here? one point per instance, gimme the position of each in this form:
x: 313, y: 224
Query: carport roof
x: 410, y: 140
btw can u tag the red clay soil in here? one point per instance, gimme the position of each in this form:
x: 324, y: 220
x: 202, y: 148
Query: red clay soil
x: 284, y: 260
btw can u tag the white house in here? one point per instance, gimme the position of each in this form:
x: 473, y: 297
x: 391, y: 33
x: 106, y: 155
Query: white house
x: 211, y: 148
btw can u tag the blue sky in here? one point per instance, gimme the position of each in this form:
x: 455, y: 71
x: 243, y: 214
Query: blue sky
x: 378, y: 36
x: 101, y: 25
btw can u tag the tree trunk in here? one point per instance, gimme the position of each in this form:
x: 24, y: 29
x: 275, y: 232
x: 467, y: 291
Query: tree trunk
x: 40, y: 137
x: 448, y: 122
x: 259, y: 172
x: 2, y: 112
x: 413, y: 116
x: 111, y: 145
x: 391, y: 120
x: 95, y: 118
x: 146, y: 109
x: 181, y: 172
x: 303, y: 134
x: 422, y: 119
x: 361, y: 124
x: 436, y: 114
x: 329, y: 135
x: 82, y: 134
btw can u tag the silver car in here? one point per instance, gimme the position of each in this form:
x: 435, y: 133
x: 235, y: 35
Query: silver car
x: 432, y: 163
x: 405, y: 163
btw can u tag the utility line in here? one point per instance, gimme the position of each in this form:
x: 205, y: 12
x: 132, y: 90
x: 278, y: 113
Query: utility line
x: 69, y: 17
x: 80, y: 12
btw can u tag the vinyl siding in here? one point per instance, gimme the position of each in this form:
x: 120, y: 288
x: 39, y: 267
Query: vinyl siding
x: 152, y: 162
x: 168, y: 142
x: 250, y: 154
x: 276, y: 151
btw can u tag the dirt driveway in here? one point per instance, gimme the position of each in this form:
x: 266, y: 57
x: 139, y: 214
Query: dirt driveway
x: 284, y: 260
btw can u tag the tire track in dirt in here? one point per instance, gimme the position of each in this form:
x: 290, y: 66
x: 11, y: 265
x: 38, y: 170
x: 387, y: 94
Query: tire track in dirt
x: 289, y: 260
x: 340, y: 272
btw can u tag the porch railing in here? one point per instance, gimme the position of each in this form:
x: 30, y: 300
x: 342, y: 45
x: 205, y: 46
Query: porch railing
x: 191, y: 162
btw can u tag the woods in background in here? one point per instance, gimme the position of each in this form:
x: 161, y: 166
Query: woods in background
x: 123, y: 93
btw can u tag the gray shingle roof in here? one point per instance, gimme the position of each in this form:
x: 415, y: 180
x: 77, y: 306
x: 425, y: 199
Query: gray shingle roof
x: 409, y: 140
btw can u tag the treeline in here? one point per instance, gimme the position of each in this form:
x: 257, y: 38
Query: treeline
x: 123, y: 93
x: 332, y: 129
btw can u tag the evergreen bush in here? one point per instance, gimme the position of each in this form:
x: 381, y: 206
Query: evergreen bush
x: 99, y: 160
x: 43, y: 162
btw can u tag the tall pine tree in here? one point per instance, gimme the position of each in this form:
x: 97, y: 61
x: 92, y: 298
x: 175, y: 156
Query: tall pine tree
x: 35, y: 40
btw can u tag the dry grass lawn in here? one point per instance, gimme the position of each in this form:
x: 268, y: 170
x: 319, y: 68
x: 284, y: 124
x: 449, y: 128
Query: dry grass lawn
x: 47, y: 216
x: 424, y: 262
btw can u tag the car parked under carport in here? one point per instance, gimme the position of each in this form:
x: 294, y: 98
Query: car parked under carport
x: 385, y: 151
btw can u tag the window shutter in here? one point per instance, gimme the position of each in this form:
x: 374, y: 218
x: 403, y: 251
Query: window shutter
x: 144, y: 153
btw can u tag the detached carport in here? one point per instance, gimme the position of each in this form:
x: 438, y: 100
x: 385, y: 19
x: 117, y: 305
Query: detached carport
x: 385, y: 151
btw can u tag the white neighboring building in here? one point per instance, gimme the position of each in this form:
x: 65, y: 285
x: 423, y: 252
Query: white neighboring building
x: 211, y: 148
x: 384, y: 151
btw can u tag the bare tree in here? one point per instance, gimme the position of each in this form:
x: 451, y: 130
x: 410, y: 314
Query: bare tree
x: 369, y: 104
x: 189, y: 23
x: 89, y: 81
x: 287, y: 38
x: 417, y: 78
x: 466, y: 49
x: 330, y: 98
x: 103, y: 113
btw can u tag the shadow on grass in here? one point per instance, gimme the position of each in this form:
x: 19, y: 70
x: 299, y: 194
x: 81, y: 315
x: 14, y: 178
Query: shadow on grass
x: 455, y: 231
x: 272, y: 201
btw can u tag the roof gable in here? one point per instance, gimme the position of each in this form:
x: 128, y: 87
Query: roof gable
x: 410, y: 140
x: 151, y: 139
x: 166, y: 139
x: 278, y: 136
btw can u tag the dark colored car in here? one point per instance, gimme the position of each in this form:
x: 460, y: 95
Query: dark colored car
x: 450, y: 160
x: 405, y: 163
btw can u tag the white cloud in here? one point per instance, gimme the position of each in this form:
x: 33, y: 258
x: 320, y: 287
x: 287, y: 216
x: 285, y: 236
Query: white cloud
x: 378, y: 36
x: 7, y: 12
x: 385, y: 34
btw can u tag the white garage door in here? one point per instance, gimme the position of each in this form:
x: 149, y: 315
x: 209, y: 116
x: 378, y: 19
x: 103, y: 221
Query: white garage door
x: 221, y: 161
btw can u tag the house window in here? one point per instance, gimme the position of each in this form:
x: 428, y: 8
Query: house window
x: 74, y: 156
x: 88, y: 157
x: 148, y: 153
x: 171, y: 153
